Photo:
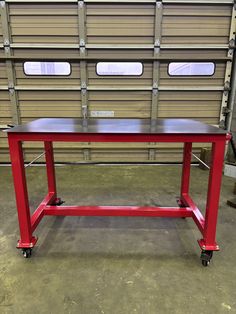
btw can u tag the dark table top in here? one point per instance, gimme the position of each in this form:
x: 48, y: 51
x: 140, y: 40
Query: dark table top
x: 116, y: 126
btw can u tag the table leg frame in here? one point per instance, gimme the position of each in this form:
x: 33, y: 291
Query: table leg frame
x: 187, y: 208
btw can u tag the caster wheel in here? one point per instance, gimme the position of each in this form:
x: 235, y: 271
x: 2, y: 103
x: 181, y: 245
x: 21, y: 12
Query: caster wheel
x: 180, y: 204
x: 206, y: 257
x: 58, y: 201
x: 205, y: 263
x: 26, y: 252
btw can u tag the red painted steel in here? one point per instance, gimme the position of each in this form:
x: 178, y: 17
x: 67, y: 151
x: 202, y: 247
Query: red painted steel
x: 207, y: 225
x: 213, y: 195
x: 50, y: 167
x: 39, y: 212
x: 117, y: 211
x: 196, y: 213
x: 186, y: 168
x: 18, y: 171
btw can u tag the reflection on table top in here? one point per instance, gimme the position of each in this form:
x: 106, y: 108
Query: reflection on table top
x: 117, y: 126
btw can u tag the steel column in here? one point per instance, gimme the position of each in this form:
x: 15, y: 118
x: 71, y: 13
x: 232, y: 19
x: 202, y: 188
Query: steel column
x: 186, y: 168
x: 50, y: 168
x: 208, y: 241
x: 21, y: 194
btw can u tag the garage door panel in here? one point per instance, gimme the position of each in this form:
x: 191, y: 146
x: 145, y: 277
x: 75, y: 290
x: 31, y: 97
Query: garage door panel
x: 190, y: 53
x: 1, y: 37
x: 190, y: 96
x: 125, y: 104
x: 3, y: 75
x: 5, y: 108
x: 118, y: 155
x: 117, y: 21
x: 46, y: 20
x: 49, y: 96
x: 120, y: 40
x: 32, y: 54
x: 135, y: 54
x: 196, y: 24
x: 187, y: 40
x: 120, y: 10
x: 39, y: 104
x: 187, y: 30
x: 121, y: 96
x: 60, y: 155
x: 197, y: 10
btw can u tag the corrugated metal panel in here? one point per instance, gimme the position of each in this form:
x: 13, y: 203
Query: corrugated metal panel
x: 51, y: 29
x: 203, y: 106
x: 5, y: 118
x: 116, y: 23
x: 5, y: 109
x: 44, y: 23
x: 3, y: 75
x: 124, y: 104
x: 196, y: 24
x: 38, y: 104
x: 1, y: 38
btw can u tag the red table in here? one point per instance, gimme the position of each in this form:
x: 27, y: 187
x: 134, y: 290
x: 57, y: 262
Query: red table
x: 118, y: 130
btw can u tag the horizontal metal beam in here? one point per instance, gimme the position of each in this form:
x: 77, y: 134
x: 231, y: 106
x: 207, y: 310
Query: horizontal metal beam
x: 195, y: 46
x: 199, y: 1
x: 132, y: 58
x: 41, y: 1
x: 44, y: 46
x: 47, y: 88
x: 125, y: 1
x: 117, y: 88
x: 118, y: 46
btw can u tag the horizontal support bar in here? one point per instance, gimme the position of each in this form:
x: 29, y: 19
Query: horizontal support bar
x: 117, y: 211
x: 118, y: 46
x: 116, y: 88
x: 125, y: 1
x: 199, y: 1
x: 46, y: 87
x: 43, y: 46
x: 114, y: 59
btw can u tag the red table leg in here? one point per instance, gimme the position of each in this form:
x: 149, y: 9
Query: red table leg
x: 51, y: 177
x: 22, y: 203
x: 185, y: 173
x: 208, y: 242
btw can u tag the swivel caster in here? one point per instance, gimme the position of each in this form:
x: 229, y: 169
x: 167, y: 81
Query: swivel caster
x: 58, y: 201
x: 180, y: 203
x: 206, y: 257
x: 27, y: 252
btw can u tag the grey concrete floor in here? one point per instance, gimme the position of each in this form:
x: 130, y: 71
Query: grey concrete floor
x: 117, y: 265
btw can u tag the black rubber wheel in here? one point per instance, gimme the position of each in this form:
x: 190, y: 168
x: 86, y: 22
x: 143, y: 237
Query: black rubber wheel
x: 205, y: 263
x: 26, y: 252
x: 206, y: 257
x: 58, y: 202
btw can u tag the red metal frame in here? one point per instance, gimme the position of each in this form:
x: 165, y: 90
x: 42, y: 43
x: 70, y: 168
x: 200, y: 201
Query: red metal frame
x: 187, y: 208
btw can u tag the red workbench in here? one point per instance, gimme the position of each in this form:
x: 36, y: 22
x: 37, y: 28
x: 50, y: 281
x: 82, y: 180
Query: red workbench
x: 118, y: 130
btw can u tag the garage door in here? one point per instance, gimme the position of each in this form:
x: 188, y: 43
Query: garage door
x: 115, y: 59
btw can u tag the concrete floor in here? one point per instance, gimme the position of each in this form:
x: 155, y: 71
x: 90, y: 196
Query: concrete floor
x: 116, y: 265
